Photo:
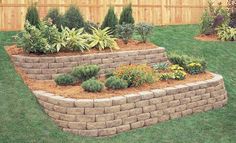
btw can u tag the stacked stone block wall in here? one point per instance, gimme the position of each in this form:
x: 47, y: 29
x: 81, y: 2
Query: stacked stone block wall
x: 46, y: 68
x: 110, y: 116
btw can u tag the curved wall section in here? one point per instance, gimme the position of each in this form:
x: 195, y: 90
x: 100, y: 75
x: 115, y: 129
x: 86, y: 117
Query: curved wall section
x: 109, y: 116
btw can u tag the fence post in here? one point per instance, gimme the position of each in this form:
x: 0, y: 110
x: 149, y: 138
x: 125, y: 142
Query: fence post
x: 162, y: 11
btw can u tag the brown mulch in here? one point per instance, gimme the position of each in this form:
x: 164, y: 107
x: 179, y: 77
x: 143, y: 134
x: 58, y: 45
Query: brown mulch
x: 132, y: 45
x: 207, y: 37
x: 77, y: 92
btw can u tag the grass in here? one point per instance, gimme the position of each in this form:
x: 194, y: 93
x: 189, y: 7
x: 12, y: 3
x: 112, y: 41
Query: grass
x: 23, y: 120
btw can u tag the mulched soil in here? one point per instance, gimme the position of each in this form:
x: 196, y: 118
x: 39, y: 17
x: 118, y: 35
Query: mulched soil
x: 77, y: 92
x: 207, y: 37
x: 132, y: 45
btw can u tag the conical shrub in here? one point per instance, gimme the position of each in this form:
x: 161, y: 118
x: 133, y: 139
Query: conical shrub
x: 110, y: 20
x: 73, y: 18
x: 32, y: 15
x: 127, y: 15
x: 55, y: 17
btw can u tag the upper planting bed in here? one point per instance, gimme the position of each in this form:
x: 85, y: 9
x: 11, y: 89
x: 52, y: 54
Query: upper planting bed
x: 70, y: 33
x: 55, y: 45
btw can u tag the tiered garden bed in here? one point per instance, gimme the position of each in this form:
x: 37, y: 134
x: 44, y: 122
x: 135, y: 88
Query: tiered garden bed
x: 111, y: 112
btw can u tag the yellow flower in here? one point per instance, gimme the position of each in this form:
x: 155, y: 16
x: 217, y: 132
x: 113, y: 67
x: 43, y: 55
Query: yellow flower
x: 194, y: 64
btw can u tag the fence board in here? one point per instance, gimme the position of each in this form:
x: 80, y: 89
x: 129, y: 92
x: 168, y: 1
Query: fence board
x: 157, y: 12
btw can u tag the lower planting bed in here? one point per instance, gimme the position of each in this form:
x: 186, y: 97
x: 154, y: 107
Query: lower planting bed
x: 109, y: 116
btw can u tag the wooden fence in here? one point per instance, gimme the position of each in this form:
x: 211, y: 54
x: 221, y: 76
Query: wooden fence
x: 158, y: 12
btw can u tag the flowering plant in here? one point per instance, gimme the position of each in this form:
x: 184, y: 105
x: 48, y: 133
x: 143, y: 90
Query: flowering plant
x: 194, y: 68
x: 176, y: 67
x: 179, y: 75
x: 135, y: 75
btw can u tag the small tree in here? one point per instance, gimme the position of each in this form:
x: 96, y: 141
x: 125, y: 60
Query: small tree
x: 126, y: 15
x: 32, y: 15
x: 73, y: 18
x: 232, y: 8
x: 144, y: 30
x: 125, y: 31
x: 110, y: 20
x: 55, y: 17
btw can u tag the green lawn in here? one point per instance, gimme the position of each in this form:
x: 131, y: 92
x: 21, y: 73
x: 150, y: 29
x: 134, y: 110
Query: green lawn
x: 22, y: 119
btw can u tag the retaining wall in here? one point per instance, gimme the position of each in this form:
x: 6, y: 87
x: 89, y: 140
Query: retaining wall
x: 109, y: 116
x: 46, y: 68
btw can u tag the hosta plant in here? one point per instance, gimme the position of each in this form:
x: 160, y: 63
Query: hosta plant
x: 226, y: 33
x: 102, y: 39
x: 160, y: 66
x: 75, y: 39
x: 88, y: 26
x: 55, y: 38
x: 32, y: 40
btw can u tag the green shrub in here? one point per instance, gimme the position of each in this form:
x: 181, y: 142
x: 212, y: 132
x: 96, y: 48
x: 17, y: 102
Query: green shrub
x: 108, y: 74
x: 88, y: 27
x: 127, y: 15
x: 110, y: 20
x: 54, y: 38
x: 56, y: 18
x: 160, y: 66
x: 73, y: 18
x: 83, y: 73
x: 144, y: 30
x: 125, y: 31
x: 184, y: 61
x: 194, y: 68
x: 226, y: 33
x: 32, y: 15
x: 213, y: 17
x: 92, y: 85
x: 75, y: 39
x: 135, y: 75
x: 102, y: 39
x: 32, y: 40
x: 206, y: 23
x: 166, y: 76
x: 179, y: 75
x: 178, y: 59
x: 114, y: 82
x: 65, y: 79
